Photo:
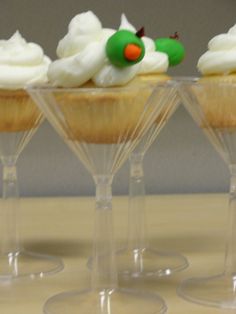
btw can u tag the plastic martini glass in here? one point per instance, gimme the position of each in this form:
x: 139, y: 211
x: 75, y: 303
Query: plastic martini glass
x: 138, y: 259
x: 19, y: 120
x: 102, y: 126
x: 212, y: 105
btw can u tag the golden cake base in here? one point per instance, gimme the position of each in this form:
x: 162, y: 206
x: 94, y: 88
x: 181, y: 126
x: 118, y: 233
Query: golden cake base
x: 218, y: 100
x: 17, y: 111
x: 106, y: 117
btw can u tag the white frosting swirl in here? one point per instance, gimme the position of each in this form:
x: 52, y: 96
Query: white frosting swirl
x: 110, y: 75
x: 221, y: 55
x: 21, y: 63
x: 77, y: 70
x: 82, y: 56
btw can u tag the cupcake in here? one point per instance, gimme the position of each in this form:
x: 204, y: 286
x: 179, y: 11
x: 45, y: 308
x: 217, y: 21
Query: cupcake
x: 91, y: 56
x: 21, y: 63
x: 218, y: 68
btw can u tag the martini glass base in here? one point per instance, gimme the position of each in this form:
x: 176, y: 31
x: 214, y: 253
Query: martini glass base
x: 216, y: 291
x: 116, y: 301
x: 28, y: 264
x: 147, y: 262
x: 144, y: 263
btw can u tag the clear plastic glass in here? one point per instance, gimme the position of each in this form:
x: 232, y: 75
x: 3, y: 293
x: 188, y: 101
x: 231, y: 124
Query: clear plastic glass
x: 211, y: 103
x: 102, y: 126
x: 138, y: 258
x: 19, y: 119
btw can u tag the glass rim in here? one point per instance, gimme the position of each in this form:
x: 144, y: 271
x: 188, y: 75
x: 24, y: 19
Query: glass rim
x: 127, y: 87
x: 196, y: 81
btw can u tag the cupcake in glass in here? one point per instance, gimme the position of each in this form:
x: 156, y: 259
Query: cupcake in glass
x: 101, y: 108
x: 210, y: 100
x: 91, y: 56
x: 21, y: 63
x: 218, y: 65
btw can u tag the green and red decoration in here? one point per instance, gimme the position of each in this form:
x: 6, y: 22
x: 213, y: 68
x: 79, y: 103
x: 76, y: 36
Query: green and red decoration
x: 125, y: 48
x: 172, y: 47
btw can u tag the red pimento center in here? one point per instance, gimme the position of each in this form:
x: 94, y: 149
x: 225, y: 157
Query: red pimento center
x: 132, y: 52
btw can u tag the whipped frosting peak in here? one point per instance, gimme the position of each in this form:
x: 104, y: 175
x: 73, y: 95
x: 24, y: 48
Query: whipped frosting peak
x: 16, y: 37
x: 125, y: 24
x: 221, y: 55
x: 85, y: 23
x: 83, y: 29
x: 21, y: 63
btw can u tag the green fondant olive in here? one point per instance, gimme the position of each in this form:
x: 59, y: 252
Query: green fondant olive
x: 173, y: 48
x: 116, y: 45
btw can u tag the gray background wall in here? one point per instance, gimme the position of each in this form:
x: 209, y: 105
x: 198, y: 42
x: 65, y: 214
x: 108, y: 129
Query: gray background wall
x: 181, y: 160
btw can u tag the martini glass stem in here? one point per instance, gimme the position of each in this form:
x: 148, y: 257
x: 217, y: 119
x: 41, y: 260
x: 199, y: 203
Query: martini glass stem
x: 137, y: 231
x: 10, y: 195
x: 230, y: 256
x: 104, y: 273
